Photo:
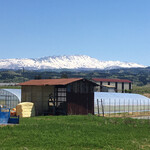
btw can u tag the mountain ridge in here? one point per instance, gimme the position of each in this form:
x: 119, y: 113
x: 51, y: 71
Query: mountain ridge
x: 64, y: 62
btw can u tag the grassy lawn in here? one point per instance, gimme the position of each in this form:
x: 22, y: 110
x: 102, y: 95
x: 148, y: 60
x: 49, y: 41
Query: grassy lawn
x: 76, y: 132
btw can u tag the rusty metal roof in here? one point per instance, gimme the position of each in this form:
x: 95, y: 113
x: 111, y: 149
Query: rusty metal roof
x: 43, y: 82
x: 110, y: 80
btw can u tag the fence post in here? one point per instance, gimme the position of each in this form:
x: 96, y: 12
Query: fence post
x: 98, y: 107
x: 102, y: 107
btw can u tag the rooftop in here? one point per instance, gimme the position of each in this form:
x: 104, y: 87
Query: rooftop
x: 110, y: 80
x: 43, y: 82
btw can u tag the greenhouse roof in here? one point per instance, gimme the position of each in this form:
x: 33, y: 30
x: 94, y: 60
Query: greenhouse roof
x: 16, y: 92
x: 107, y: 95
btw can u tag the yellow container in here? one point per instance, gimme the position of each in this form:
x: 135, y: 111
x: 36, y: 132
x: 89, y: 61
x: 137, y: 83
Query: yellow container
x: 25, y: 109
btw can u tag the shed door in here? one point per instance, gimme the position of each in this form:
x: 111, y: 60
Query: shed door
x: 60, y: 94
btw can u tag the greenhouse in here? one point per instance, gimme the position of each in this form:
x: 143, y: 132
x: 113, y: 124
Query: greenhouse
x: 117, y: 103
x: 9, y: 98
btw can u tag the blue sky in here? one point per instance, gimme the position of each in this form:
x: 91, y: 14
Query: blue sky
x: 103, y: 29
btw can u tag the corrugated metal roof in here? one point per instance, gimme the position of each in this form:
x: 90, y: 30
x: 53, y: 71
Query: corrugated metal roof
x: 43, y: 82
x: 110, y: 80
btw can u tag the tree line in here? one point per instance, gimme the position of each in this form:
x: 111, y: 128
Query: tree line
x: 139, y: 76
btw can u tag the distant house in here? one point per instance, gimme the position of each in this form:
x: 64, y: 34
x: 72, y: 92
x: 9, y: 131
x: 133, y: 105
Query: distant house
x: 60, y: 96
x: 112, y: 85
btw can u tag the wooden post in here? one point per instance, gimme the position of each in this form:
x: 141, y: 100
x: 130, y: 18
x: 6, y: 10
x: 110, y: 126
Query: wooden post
x: 102, y: 107
x: 98, y: 107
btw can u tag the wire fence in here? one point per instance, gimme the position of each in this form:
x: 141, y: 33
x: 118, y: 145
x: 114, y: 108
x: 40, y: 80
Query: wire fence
x: 123, y: 108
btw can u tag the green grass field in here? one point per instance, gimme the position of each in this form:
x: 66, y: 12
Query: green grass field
x: 76, y: 132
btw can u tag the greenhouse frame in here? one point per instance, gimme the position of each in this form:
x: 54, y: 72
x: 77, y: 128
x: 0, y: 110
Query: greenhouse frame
x: 9, y: 98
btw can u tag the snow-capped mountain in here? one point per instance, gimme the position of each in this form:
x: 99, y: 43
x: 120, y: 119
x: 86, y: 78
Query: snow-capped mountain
x: 64, y: 62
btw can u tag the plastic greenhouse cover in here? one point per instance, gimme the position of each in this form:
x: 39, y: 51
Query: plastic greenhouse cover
x: 120, y: 98
x: 16, y: 92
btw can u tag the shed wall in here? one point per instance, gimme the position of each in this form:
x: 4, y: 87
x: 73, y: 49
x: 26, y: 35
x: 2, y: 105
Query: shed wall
x: 39, y: 95
x: 80, y: 103
x: 80, y: 99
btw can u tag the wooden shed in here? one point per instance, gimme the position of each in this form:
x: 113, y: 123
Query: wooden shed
x: 71, y: 96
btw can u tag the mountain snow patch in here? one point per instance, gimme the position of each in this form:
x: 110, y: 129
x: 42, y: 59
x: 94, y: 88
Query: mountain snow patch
x: 65, y: 62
